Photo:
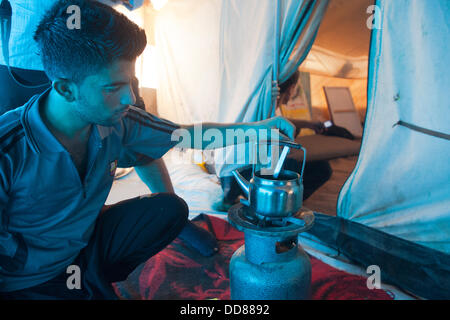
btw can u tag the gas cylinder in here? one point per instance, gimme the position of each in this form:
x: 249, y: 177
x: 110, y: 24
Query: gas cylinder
x: 266, y: 268
x: 271, y: 265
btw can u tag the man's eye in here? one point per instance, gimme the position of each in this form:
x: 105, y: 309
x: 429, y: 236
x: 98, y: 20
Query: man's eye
x: 112, y: 89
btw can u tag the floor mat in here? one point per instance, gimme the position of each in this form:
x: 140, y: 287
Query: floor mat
x: 179, y: 272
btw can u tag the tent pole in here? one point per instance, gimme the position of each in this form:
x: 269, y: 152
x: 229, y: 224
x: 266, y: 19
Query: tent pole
x: 276, y: 55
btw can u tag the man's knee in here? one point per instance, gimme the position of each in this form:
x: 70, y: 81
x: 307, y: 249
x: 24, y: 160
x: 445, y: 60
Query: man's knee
x: 178, y: 206
x: 171, y: 205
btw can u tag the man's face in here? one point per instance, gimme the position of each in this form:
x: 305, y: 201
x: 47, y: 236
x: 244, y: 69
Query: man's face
x: 104, y: 97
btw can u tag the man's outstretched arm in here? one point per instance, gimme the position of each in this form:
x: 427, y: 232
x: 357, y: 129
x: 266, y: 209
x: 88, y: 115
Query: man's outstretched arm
x: 216, y: 135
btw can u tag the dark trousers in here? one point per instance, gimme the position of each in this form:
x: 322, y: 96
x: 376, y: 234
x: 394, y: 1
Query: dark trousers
x: 126, y: 234
x: 315, y: 175
x: 12, y: 95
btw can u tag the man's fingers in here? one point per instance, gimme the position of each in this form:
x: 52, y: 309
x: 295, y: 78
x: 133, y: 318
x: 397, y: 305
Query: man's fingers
x: 286, y: 127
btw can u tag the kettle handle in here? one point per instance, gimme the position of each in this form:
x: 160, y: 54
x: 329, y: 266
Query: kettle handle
x: 295, y: 145
x: 291, y: 144
x: 304, y: 161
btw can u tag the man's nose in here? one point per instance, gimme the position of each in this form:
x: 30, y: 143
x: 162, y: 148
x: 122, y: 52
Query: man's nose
x: 128, y: 97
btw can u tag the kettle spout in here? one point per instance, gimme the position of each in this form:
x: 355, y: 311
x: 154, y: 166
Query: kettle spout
x: 243, y: 183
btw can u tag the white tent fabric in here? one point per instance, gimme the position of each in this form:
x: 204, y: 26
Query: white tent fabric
x: 199, y: 65
x: 217, y: 60
x: 273, y: 38
x: 187, y: 49
x: 300, y: 21
x: 401, y: 183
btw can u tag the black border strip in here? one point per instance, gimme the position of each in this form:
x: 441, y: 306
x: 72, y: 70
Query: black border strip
x: 11, y: 144
x: 145, y: 124
x: 10, y: 133
x: 153, y: 119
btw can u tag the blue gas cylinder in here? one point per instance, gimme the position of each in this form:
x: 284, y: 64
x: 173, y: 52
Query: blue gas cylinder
x: 270, y: 268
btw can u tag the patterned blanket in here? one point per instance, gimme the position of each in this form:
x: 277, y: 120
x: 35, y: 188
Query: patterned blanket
x: 178, y: 272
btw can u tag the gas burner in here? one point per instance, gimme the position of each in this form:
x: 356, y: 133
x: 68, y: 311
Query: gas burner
x: 245, y: 219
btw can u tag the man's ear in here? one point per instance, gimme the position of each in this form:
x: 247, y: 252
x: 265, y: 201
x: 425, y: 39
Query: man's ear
x: 66, y: 89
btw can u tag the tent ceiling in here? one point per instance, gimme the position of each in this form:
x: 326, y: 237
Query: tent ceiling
x: 343, y: 29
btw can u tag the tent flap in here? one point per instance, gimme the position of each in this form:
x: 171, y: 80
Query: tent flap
x: 401, y: 183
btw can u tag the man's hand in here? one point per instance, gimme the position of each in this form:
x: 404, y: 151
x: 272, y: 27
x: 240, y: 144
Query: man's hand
x: 318, y: 127
x: 280, y: 123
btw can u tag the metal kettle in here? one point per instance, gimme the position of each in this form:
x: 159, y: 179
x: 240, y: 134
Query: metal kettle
x: 275, y: 197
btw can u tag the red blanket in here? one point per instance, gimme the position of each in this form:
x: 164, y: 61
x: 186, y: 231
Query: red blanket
x: 179, y: 272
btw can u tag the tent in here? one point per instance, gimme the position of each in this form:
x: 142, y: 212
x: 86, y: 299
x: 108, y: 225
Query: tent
x: 393, y: 211
x: 399, y: 191
x: 217, y: 60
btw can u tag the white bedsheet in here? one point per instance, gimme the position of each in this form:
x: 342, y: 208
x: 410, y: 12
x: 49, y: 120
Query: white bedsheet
x: 199, y: 189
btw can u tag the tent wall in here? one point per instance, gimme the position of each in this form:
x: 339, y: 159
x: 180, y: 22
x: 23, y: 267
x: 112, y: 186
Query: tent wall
x: 187, y: 50
x: 217, y: 60
x: 394, y: 210
x: 401, y: 183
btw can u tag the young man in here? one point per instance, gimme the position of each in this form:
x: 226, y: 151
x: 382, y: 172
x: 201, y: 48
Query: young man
x: 58, y: 154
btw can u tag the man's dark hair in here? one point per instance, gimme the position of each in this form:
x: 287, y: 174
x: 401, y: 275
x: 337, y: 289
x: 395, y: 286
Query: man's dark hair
x: 104, y: 37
